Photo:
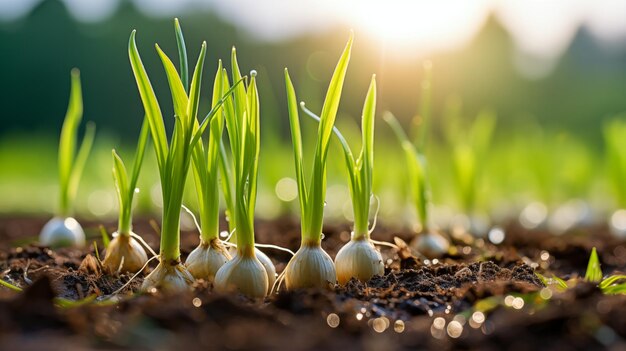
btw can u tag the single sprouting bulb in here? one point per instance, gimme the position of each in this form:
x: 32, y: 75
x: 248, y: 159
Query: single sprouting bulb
x: 310, y: 267
x: 244, y: 273
x: 168, y: 276
x: 124, y: 254
x: 61, y: 232
x: 358, y: 259
x: 431, y: 244
x: 206, y: 259
x: 267, y: 264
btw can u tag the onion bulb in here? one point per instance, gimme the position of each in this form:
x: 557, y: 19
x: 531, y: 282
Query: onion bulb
x: 206, y: 259
x: 169, y: 276
x: 245, y: 274
x: 124, y: 254
x: 431, y: 244
x: 310, y: 267
x: 61, y: 232
x: 358, y: 259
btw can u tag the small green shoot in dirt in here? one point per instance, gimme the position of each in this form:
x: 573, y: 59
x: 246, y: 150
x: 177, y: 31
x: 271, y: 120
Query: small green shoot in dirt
x: 105, y: 236
x: 63, y: 230
x: 593, y: 273
x: 71, y: 164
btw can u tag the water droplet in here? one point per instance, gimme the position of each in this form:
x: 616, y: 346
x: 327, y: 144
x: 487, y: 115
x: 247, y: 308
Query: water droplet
x: 398, y: 326
x: 496, y: 235
x: 196, y: 302
x: 545, y: 293
x: 518, y: 303
x: 439, y: 323
x: 333, y: 320
x: 455, y: 329
x: 379, y: 325
x: 359, y: 316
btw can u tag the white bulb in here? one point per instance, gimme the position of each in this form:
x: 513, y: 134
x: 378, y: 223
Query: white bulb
x: 244, y: 274
x: 126, y: 252
x: 430, y: 244
x: 358, y: 259
x: 310, y: 267
x: 168, y: 277
x: 206, y: 259
x: 61, y: 232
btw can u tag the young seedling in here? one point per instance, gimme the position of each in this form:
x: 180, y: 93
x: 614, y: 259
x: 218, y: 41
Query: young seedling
x: 63, y: 229
x: 428, y: 242
x: 469, y: 144
x: 173, y: 158
x: 245, y: 272
x: 311, y: 266
x: 124, y: 253
x: 204, y: 261
x: 359, y: 258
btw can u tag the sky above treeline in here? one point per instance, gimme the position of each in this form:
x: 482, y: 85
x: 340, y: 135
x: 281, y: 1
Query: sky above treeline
x: 540, y: 29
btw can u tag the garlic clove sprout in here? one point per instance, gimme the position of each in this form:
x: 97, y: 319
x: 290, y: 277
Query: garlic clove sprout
x: 310, y: 267
x: 358, y: 259
x: 168, y: 276
x: 61, y: 232
x: 124, y: 254
x: 245, y: 274
x: 431, y: 244
x: 206, y: 259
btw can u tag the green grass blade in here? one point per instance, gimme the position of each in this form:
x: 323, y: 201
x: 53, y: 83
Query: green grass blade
x: 331, y: 102
x: 67, y: 143
x: 179, y: 96
x: 182, y: 54
x: 196, y: 83
x: 365, y: 163
x: 81, y: 160
x: 139, y: 155
x: 253, y: 146
x: 214, y: 110
x: 317, y: 187
x: 296, y: 140
x: 10, y: 286
x: 121, y: 180
x: 105, y: 237
x: 611, y: 280
x: 593, y: 273
x: 150, y: 103
x: 417, y: 171
x: 239, y: 96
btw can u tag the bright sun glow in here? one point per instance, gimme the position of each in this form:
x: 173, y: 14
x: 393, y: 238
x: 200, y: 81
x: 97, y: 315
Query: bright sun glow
x: 428, y: 25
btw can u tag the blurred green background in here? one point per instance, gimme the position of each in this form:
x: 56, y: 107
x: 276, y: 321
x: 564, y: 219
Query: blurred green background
x: 547, y: 146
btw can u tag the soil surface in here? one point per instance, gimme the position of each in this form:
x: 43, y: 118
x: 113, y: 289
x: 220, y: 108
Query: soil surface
x: 479, y: 296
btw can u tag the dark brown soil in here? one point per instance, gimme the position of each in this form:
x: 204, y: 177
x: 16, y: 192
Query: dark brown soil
x: 404, y: 309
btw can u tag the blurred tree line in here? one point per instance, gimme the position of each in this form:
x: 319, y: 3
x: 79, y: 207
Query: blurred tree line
x: 38, y: 51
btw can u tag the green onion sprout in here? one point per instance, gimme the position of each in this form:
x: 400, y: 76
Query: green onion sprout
x: 311, y: 266
x: 124, y: 253
x: 359, y: 258
x: 428, y: 242
x: 173, y: 158
x: 63, y: 229
x: 245, y: 273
